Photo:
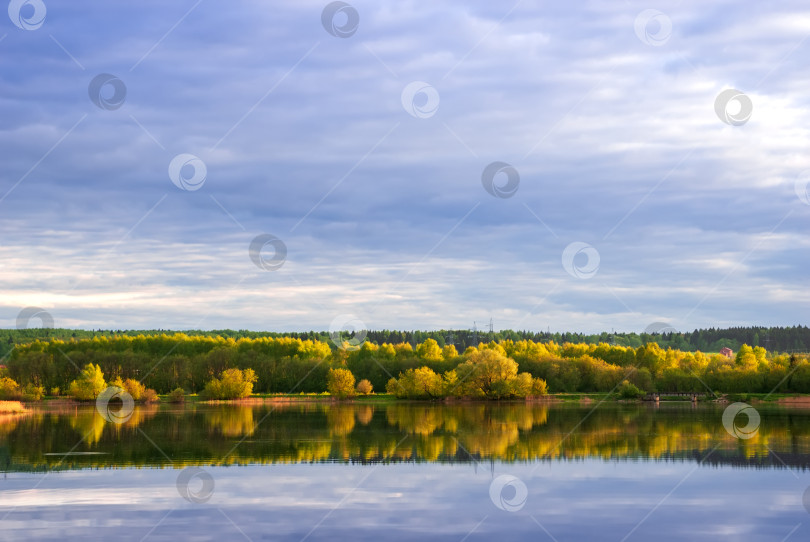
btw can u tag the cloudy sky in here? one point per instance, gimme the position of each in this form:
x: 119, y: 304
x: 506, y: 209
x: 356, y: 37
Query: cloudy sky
x: 145, y: 146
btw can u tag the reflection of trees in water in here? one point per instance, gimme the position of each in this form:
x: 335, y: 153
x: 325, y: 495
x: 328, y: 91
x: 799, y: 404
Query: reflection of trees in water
x: 91, y: 425
x: 340, y: 419
x: 205, y: 434
x: 425, y: 419
x: 480, y: 430
x: 8, y: 422
x: 231, y: 421
x: 364, y: 414
x: 416, y: 419
x: 141, y: 414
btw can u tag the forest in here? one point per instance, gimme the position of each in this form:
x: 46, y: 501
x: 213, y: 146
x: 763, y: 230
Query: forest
x: 794, y: 339
x: 166, y: 362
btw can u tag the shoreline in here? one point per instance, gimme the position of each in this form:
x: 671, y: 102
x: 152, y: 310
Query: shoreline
x: 792, y: 400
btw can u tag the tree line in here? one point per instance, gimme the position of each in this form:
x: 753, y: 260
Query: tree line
x: 790, y: 339
x: 492, y: 369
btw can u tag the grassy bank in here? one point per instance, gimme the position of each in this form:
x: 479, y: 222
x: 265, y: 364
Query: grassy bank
x: 384, y: 398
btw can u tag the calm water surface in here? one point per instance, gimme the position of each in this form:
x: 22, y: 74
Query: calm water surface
x: 404, y: 471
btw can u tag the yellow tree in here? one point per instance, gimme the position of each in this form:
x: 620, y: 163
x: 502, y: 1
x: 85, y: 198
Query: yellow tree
x: 340, y: 383
x: 429, y: 350
x: 387, y: 351
x: 425, y: 382
x: 232, y: 384
x: 89, y: 384
x: 489, y: 373
x: 416, y: 383
x: 485, y: 373
x: 364, y: 387
x: 449, y: 352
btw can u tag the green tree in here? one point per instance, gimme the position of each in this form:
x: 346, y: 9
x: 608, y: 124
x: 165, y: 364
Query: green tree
x: 629, y: 391
x: 745, y: 356
x: 33, y: 393
x: 651, y: 357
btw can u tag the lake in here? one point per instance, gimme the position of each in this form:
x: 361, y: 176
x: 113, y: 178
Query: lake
x: 404, y: 471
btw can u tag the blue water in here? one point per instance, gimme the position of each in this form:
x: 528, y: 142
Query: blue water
x: 581, y: 500
x: 628, y: 473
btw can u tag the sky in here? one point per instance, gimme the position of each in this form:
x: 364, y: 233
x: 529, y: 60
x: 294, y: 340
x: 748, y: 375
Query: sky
x: 306, y: 165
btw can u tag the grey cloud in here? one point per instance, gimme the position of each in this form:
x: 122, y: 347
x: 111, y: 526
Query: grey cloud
x: 591, y: 117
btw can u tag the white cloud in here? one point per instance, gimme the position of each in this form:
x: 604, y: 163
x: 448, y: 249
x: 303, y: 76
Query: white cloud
x: 608, y: 134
